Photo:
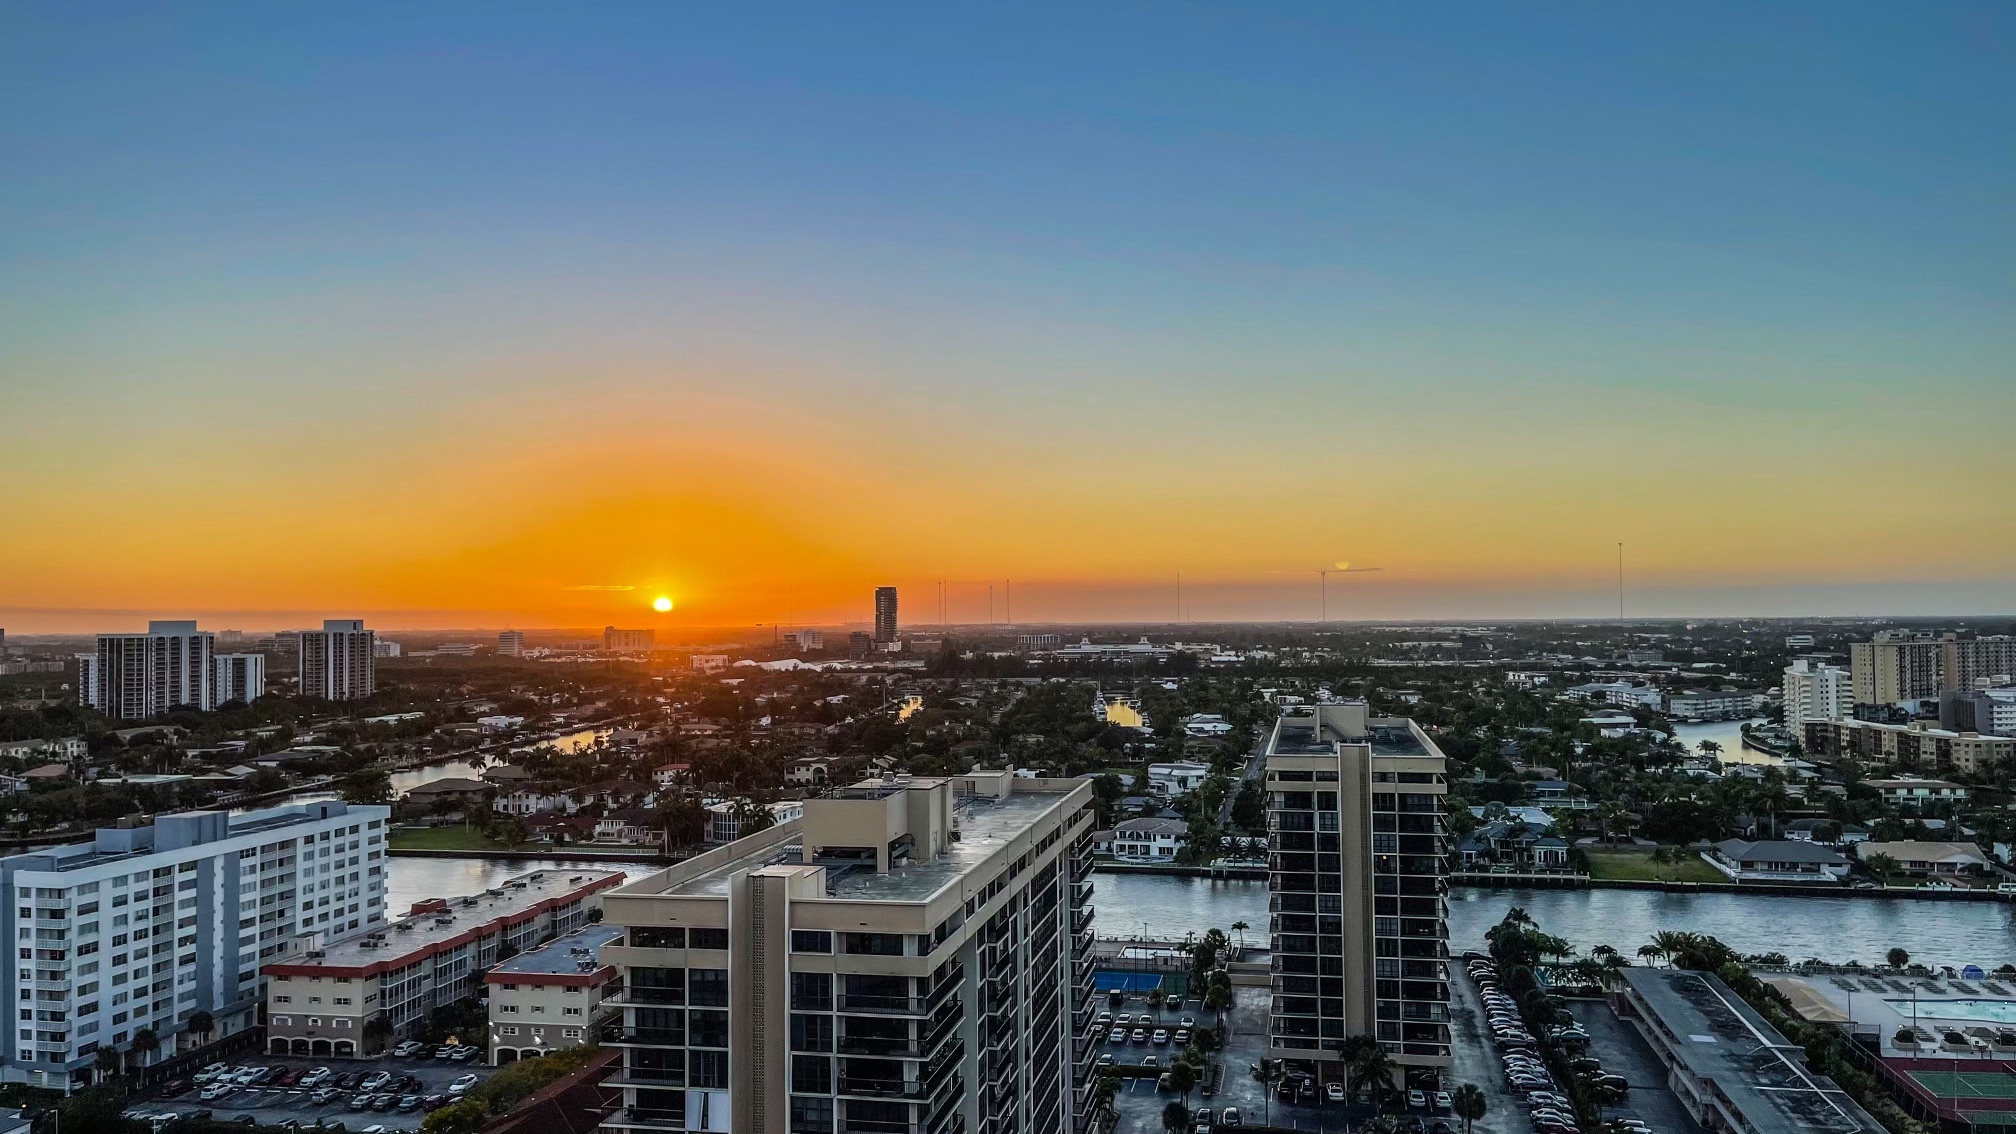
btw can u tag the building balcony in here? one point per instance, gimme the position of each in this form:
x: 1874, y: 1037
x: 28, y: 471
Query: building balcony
x: 883, y: 1005
x: 637, y: 1118
x: 657, y: 1077
x: 882, y: 1088
x: 618, y: 1035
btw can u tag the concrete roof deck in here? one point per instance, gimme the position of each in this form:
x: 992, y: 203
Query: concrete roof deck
x: 557, y: 957
x: 986, y: 827
x: 1725, y: 1041
x: 400, y: 946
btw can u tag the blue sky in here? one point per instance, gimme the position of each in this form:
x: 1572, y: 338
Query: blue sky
x: 1521, y: 274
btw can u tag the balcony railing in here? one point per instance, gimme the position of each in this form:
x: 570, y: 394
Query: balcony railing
x: 883, y: 1005
x: 642, y: 1037
x: 882, y: 1088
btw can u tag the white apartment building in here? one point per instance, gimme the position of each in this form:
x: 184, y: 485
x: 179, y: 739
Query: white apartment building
x: 319, y: 1001
x: 134, y: 677
x: 1816, y: 691
x: 1712, y: 705
x: 384, y: 649
x: 913, y: 955
x: 240, y: 677
x: 338, y: 662
x: 1178, y: 778
x: 1617, y: 693
x: 144, y: 926
x: 551, y: 997
x: 724, y: 825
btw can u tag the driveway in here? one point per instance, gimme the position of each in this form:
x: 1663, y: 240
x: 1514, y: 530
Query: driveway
x: 1624, y: 1052
x: 1475, y: 1060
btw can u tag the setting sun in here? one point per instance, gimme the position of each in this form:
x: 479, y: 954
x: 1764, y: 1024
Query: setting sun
x: 661, y: 604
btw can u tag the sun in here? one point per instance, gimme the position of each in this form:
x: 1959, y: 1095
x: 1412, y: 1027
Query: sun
x: 661, y: 604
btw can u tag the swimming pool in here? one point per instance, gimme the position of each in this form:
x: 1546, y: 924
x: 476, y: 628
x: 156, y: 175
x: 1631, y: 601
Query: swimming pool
x: 1992, y: 1011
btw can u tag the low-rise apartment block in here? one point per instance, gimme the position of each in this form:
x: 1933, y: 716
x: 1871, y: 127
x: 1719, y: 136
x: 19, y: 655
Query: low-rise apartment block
x: 143, y: 927
x: 323, y: 1001
x: 912, y: 955
x: 1912, y: 745
x: 549, y: 998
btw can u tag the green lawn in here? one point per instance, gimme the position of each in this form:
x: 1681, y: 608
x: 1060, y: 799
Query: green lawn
x: 1634, y: 865
x: 448, y: 838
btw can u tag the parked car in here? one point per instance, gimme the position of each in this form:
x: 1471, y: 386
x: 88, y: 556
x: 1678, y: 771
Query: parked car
x: 435, y: 1102
x: 461, y: 1085
x: 408, y: 1050
x: 1161, y: 1036
x: 462, y: 1054
x: 174, y: 1087
x: 1140, y: 1035
x: 210, y: 1072
x: 1230, y: 1117
x: 409, y: 1102
x: 361, y: 1101
x: 322, y: 1095
x: 375, y: 1080
x: 1334, y: 1092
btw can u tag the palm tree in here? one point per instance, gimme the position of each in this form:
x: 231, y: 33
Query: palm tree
x: 1240, y: 928
x: 1373, y: 1069
x: 1175, y: 1117
x: 1265, y: 1073
x: 1103, y: 1093
x: 1183, y: 1079
x: 1881, y: 865
x: 1469, y: 1104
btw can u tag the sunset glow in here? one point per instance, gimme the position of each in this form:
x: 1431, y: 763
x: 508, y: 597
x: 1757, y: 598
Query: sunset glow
x: 489, y: 318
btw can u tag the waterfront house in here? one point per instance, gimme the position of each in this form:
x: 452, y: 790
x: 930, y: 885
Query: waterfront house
x: 1152, y: 840
x: 453, y: 789
x: 1826, y: 832
x: 1916, y: 794
x: 1776, y: 860
x: 1176, y: 779
x: 1928, y: 860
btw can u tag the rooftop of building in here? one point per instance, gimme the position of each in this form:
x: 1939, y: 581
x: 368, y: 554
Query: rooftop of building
x: 1317, y: 733
x: 562, y: 956
x: 184, y: 829
x: 445, y: 921
x: 1723, y: 1040
x: 986, y: 825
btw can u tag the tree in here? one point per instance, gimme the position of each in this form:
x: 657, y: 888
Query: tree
x: 1183, y: 1080
x: 1266, y: 1073
x: 1103, y: 1093
x: 367, y: 786
x: 465, y: 1117
x: 111, y: 1063
x: 377, y: 1030
x: 1897, y: 958
x: 145, y: 1041
x: 1469, y: 1103
x: 1218, y: 993
x: 1175, y: 1117
x: 1882, y: 866
x: 202, y: 1023
x: 1240, y: 928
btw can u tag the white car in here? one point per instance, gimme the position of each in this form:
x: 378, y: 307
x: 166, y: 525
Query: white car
x: 315, y: 1078
x: 462, y: 1085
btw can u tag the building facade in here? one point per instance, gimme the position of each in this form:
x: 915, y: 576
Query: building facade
x: 1971, y: 663
x: 339, y: 661
x: 1912, y: 745
x: 321, y: 1001
x: 194, y: 904
x: 510, y: 643
x: 134, y: 677
x: 1357, y: 865
x: 1816, y: 691
x: 240, y: 677
x: 911, y: 955
x: 1896, y: 665
x: 550, y: 998
x: 618, y: 641
x: 885, y: 614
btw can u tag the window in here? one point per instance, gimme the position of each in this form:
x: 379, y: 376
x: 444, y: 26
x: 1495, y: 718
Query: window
x: 812, y: 1074
x: 698, y: 938
x: 510, y: 1031
x: 875, y: 944
x: 707, y: 987
x: 811, y: 1115
x: 812, y: 992
x: 706, y: 1028
x: 811, y: 1033
x: 811, y: 941
x: 707, y: 1069
x: 649, y: 937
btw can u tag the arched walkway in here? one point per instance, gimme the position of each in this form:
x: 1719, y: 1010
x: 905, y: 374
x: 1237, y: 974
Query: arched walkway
x: 277, y: 1045
x: 319, y: 1047
x: 301, y: 1047
x: 506, y: 1055
x: 345, y: 1049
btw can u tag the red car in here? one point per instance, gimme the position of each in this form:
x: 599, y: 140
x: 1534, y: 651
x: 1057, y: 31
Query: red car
x: 174, y: 1087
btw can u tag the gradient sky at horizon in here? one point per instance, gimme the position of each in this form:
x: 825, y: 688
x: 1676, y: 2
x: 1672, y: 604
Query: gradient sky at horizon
x: 443, y: 313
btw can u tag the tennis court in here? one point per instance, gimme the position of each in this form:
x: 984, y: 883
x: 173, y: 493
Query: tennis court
x: 1967, y: 1084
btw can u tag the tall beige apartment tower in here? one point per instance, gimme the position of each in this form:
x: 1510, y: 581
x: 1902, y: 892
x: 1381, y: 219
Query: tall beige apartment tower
x: 912, y: 955
x: 1896, y: 665
x: 1966, y: 664
x: 1357, y: 865
x: 338, y: 662
x: 136, y: 676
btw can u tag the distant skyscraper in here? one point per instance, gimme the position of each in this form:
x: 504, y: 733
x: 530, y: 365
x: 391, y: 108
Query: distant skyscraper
x: 337, y: 661
x: 137, y: 676
x: 240, y: 677
x: 628, y: 641
x: 885, y: 614
x: 511, y: 644
x: 860, y: 646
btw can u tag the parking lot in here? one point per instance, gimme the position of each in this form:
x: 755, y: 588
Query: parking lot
x: 1475, y: 1060
x: 1625, y: 1052
x: 424, y: 1080
x: 1138, y: 1106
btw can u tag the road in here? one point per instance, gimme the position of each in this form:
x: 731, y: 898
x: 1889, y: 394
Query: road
x: 1256, y: 766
